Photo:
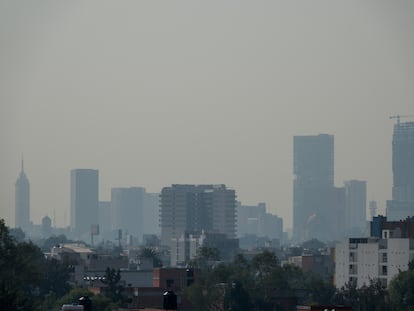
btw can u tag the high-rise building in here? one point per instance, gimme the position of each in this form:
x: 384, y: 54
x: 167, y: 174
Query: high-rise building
x: 402, y: 203
x: 22, y: 201
x: 355, y: 206
x: 84, y: 198
x: 151, y: 213
x: 106, y: 223
x: 313, y: 169
x: 194, y: 208
x: 127, y: 207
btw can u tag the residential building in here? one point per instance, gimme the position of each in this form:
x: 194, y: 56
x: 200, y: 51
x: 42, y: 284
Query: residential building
x: 22, y: 201
x: 84, y: 201
x: 361, y: 260
x: 313, y: 169
x: 380, y: 227
x: 402, y: 203
x: 193, y: 208
x: 320, y: 262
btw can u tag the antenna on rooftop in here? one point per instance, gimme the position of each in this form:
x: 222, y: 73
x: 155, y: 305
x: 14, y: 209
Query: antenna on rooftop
x: 398, y: 117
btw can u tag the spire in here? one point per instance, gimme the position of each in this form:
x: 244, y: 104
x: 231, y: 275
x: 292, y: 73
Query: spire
x: 22, y: 166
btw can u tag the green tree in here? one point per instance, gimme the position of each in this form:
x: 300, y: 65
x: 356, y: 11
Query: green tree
x: 28, y: 281
x: 114, y: 288
x: 319, y: 290
x: 56, y: 277
x: 401, y: 291
x: 22, y: 267
x: 17, y: 234
x: 151, y: 253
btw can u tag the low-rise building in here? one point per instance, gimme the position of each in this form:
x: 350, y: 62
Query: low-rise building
x: 360, y: 260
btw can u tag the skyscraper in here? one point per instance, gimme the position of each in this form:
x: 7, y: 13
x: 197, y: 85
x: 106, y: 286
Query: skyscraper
x: 22, y: 201
x: 84, y: 198
x: 355, y: 206
x: 193, y: 208
x: 127, y: 206
x: 313, y: 169
x: 402, y: 204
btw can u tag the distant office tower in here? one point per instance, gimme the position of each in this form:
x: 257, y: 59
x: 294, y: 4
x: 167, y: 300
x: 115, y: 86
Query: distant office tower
x: 313, y: 169
x: 22, y: 201
x: 402, y: 203
x: 254, y: 220
x: 193, y: 208
x: 355, y: 206
x: 84, y: 198
x: 326, y: 209
x: 151, y: 214
x: 127, y: 207
x: 106, y: 223
x: 372, y: 209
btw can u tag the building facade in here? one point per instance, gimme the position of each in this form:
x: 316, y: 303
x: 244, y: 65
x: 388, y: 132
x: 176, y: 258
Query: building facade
x: 355, y: 207
x: 360, y: 260
x: 313, y: 170
x: 254, y: 220
x: 84, y: 201
x: 194, y: 208
x: 402, y: 203
x: 127, y: 206
x: 22, y: 201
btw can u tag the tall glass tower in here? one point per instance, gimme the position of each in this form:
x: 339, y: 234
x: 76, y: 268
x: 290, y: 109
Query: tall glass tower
x: 402, y: 204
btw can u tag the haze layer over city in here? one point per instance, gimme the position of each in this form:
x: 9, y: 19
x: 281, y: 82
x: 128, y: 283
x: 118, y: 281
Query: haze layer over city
x: 154, y: 94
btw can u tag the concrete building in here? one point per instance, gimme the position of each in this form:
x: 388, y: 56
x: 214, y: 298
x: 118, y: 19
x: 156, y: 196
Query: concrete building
x: 84, y: 199
x: 254, y: 220
x: 313, y: 169
x: 355, y: 207
x: 321, y: 264
x: 193, y: 208
x: 183, y: 249
x: 360, y: 260
x: 402, y: 204
x: 22, y: 202
x: 392, y: 229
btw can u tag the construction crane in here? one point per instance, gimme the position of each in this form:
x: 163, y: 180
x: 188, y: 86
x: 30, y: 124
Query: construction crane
x: 398, y: 117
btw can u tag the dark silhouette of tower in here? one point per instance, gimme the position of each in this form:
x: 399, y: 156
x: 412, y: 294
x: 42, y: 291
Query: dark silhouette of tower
x: 22, y: 201
x: 313, y: 169
x: 84, y: 201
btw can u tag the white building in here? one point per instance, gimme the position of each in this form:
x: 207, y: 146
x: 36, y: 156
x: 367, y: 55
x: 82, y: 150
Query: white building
x: 363, y: 259
x: 183, y: 249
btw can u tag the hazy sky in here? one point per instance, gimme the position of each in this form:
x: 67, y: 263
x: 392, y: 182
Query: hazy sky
x: 159, y: 92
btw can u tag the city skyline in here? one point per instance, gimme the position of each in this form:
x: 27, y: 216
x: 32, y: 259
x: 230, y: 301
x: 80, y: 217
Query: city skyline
x: 152, y: 96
